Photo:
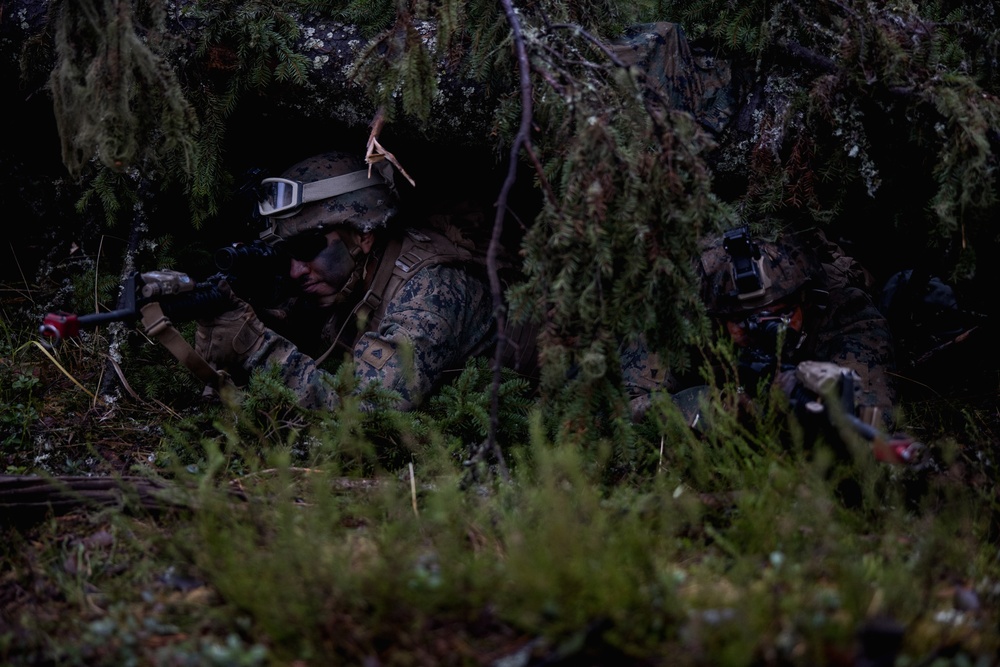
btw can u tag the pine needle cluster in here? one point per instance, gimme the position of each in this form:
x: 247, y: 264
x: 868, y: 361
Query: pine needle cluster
x: 244, y: 46
x: 628, y: 196
x: 461, y: 409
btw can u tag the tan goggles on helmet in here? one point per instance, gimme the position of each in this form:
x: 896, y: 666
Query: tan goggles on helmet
x: 282, y: 197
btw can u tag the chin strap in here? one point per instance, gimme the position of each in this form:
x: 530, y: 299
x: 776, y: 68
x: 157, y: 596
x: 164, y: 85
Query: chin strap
x: 357, y: 276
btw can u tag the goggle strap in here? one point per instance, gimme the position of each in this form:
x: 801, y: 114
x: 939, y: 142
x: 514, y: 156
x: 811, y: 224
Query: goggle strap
x: 269, y: 237
x: 339, y: 185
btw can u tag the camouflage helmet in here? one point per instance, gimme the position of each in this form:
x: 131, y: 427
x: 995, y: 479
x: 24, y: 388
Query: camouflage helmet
x: 362, y: 201
x: 740, y: 274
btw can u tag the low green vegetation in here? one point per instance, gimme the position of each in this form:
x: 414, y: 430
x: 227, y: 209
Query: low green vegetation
x: 390, y: 538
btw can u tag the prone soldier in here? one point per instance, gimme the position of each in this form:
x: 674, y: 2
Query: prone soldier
x: 798, y: 298
x: 802, y: 292
x: 406, y: 301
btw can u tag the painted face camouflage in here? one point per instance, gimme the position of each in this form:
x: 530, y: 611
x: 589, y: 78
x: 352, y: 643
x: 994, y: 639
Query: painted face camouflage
x: 364, y: 209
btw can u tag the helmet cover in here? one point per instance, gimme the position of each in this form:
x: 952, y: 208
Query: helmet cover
x: 783, y: 267
x: 365, y: 209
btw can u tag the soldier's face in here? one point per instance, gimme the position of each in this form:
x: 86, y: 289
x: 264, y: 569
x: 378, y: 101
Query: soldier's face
x: 323, y: 275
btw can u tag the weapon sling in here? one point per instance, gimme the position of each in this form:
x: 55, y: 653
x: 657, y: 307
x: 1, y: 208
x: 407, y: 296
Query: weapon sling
x: 159, y: 327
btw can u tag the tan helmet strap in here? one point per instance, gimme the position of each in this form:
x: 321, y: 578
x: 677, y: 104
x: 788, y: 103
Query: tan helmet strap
x: 339, y: 185
x: 357, y: 253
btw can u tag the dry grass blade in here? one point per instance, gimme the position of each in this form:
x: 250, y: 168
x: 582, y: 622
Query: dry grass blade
x: 56, y: 363
x: 128, y: 387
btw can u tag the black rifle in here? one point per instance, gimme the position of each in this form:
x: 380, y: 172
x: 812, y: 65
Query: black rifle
x: 828, y: 405
x: 254, y: 271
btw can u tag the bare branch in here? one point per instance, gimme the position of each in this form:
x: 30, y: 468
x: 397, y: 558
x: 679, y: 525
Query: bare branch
x: 522, y: 139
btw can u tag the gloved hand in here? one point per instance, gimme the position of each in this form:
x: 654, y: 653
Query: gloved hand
x: 226, y: 340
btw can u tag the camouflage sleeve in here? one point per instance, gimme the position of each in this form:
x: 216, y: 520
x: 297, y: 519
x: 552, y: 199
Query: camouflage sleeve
x: 642, y: 370
x: 436, y: 321
x: 312, y: 385
x: 856, y: 335
x: 643, y: 373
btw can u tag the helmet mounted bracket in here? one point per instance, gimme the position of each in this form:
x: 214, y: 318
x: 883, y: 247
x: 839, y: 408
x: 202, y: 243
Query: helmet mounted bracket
x: 746, y: 259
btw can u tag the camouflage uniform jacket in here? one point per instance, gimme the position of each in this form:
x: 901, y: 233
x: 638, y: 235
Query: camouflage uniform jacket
x: 679, y: 76
x: 851, y: 331
x: 434, y: 311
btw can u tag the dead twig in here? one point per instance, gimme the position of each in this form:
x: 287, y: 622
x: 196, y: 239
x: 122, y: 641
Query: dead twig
x: 375, y: 152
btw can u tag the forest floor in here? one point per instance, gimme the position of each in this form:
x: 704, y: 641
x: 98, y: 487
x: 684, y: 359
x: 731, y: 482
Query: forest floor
x: 130, y: 577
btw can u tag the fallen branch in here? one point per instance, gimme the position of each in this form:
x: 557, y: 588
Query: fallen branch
x: 30, y: 499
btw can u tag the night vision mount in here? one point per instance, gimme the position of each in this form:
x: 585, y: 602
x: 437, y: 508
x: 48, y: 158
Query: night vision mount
x: 745, y: 257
